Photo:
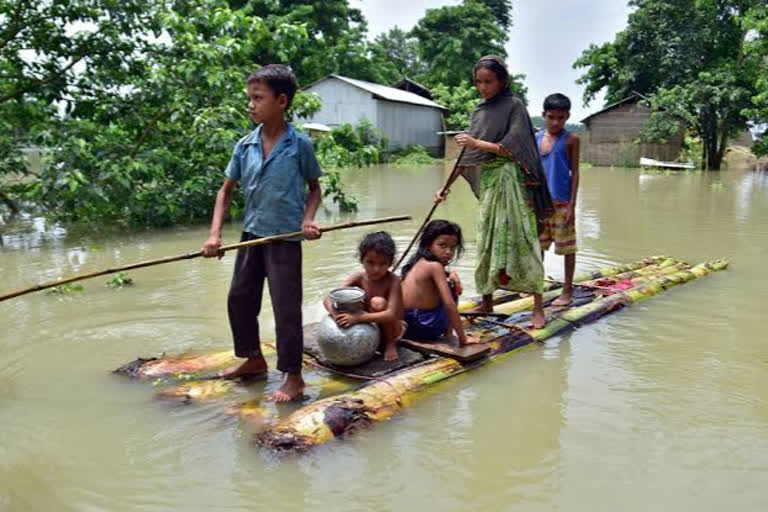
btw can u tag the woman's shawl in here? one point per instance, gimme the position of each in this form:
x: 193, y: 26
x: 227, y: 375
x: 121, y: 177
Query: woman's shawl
x: 504, y: 120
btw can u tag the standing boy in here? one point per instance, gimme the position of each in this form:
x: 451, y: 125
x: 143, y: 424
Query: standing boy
x: 560, y: 157
x: 272, y: 164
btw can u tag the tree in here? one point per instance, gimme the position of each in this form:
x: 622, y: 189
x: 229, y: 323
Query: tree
x: 756, y: 23
x: 502, y: 11
x: 395, y: 55
x: 689, y: 57
x: 52, y: 50
x: 153, y: 151
x: 336, y: 36
x: 452, y: 38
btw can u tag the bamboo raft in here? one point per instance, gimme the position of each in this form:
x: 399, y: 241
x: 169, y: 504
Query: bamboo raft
x: 340, y: 406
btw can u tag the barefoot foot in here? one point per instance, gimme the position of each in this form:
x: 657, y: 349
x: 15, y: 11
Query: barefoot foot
x: 472, y: 339
x: 390, y: 353
x: 482, y: 308
x: 292, y: 389
x: 485, y: 306
x: 563, y: 300
x: 253, y: 367
x: 538, y: 320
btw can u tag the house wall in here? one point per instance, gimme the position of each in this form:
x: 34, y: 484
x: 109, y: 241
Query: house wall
x: 402, y: 123
x: 342, y: 103
x: 405, y: 124
x: 609, y: 138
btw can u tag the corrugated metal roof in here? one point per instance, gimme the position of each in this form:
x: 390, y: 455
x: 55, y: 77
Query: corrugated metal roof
x: 316, y: 126
x: 635, y: 96
x: 387, y: 93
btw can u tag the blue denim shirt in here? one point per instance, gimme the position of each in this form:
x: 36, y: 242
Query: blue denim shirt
x: 273, y: 187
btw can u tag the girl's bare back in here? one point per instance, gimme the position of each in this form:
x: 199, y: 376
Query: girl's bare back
x: 419, y: 287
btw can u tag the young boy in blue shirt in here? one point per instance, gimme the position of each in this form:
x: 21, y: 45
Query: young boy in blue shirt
x: 559, y: 151
x: 272, y: 165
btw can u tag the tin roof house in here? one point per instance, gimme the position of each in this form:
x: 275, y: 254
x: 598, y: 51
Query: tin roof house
x: 404, y: 117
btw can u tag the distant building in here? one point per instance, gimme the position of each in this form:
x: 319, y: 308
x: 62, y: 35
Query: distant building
x: 406, y: 84
x: 609, y: 139
x: 316, y: 129
x: 746, y: 139
x: 404, y: 117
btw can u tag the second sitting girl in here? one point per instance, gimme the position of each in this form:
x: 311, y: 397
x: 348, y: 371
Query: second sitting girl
x: 429, y: 293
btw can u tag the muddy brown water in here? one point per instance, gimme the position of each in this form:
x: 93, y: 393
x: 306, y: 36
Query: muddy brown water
x: 663, y: 406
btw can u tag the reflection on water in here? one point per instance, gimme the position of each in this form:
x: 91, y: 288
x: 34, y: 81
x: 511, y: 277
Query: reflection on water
x: 662, y: 406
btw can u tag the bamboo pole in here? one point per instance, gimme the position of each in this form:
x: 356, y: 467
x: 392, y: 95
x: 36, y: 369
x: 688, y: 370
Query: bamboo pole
x: 344, y: 414
x: 451, y: 178
x: 191, y: 255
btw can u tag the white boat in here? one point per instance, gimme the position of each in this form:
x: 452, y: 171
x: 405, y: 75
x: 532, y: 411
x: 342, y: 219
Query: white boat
x: 650, y: 162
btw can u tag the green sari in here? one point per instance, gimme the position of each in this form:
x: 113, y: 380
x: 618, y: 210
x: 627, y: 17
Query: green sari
x: 507, y: 238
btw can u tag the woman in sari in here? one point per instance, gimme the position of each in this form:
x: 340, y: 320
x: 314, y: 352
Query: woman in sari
x: 502, y: 165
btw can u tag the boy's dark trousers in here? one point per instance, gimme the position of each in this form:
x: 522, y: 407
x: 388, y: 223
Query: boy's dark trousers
x: 280, y: 264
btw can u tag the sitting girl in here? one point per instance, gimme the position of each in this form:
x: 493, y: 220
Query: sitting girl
x: 429, y: 292
x: 384, y: 295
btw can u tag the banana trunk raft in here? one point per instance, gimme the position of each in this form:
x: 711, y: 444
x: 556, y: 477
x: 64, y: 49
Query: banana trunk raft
x: 186, y: 378
x: 340, y: 415
x: 339, y: 405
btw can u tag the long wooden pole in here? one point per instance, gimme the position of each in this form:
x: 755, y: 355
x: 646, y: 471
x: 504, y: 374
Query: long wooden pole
x: 191, y: 255
x: 447, y: 183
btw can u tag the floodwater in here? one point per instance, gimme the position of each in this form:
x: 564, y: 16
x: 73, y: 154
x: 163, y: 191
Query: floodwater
x: 663, y: 406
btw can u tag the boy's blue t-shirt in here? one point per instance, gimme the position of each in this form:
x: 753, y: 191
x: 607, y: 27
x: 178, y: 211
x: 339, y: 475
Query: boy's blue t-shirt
x: 557, y: 167
x: 273, y: 187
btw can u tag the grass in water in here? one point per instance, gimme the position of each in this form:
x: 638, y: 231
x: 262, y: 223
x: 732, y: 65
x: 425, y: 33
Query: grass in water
x: 64, y: 289
x: 119, y: 281
x: 412, y: 155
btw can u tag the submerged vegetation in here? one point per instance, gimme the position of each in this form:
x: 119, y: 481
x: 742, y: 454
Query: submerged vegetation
x: 64, y: 289
x: 411, y: 156
x: 351, y: 146
x: 344, y: 147
x: 119, y: 280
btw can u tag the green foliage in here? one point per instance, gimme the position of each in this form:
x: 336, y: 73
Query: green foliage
x: 138, y: 103
x: 344, y: 147
x: 692, y: 150
x: 693, y: 58
x: 50, y: 50
x: 502, y: 11
x: 154, y: 155
x: 395, y: 56
x: 756, y: 22
x: 351, y: 146
x: 336, y: 39
x: 411, y: 156
x: 119, y: 281
x: 460, y: 101
x: 452, y: 38
x: 64, y: 289
x: 334, y: 188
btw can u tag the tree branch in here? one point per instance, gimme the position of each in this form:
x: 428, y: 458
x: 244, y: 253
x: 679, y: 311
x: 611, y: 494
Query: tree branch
x: 13, y: 31
x: 40, y: 83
